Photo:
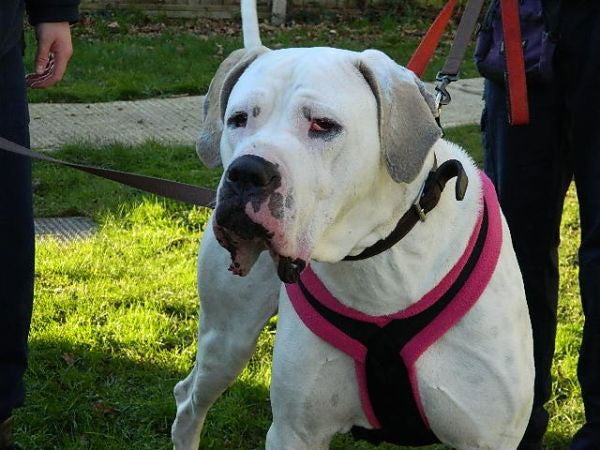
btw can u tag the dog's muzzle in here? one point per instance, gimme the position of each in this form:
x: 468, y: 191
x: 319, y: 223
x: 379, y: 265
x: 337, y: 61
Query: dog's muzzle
x: 250, y: 185
x: 250, y: 180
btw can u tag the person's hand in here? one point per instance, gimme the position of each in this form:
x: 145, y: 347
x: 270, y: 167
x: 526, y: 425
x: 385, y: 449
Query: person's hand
x: 54, y: 50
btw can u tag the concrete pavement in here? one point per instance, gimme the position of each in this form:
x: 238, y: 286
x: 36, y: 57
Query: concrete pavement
x: 175, y: 120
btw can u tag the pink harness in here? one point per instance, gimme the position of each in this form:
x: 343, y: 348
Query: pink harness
x: 465, y: 283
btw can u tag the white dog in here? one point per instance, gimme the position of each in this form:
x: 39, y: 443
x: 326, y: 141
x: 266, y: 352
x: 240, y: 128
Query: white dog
x: 328, y: 154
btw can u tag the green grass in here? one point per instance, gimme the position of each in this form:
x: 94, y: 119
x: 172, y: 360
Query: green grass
x: 115, y: 316
x: 469, y: 138
x: 124, y: 56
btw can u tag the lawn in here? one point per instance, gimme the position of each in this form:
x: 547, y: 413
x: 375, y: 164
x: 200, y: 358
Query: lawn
x: 124, y: 55
x: 115, y: 315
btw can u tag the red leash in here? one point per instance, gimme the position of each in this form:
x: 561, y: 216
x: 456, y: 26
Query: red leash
x: 422, y: 56
x: 515, y: 63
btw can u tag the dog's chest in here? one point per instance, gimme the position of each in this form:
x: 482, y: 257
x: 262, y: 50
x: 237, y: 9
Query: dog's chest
x: 385, y: 349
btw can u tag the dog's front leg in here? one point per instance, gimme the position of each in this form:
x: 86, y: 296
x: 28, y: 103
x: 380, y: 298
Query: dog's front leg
x: 233, y: 312
x: 314, y: 394
x: 282, y: 437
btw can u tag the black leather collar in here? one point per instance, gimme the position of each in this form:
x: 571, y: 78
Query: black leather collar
x: 427, y: 199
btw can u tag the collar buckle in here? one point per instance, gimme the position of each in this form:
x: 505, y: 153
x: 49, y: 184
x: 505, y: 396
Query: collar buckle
x: 417, y: 204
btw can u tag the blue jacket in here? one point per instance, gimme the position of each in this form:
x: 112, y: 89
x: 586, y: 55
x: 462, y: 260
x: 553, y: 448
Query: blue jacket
x: 12, y: 11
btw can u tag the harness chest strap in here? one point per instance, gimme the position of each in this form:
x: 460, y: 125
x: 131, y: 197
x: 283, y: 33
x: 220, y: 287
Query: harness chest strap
x: 385, y: 349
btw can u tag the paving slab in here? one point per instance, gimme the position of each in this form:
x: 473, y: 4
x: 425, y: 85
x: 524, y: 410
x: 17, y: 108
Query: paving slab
x: 176, y: 120
x: 466, y: 105
x: 64, y: 228
x: 168, y: 120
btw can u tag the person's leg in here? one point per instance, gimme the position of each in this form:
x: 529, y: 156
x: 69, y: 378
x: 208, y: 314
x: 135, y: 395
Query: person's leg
x: 579, y: 66
x: 587, y: 176
x: 16, y: 236
x: 531, y: 173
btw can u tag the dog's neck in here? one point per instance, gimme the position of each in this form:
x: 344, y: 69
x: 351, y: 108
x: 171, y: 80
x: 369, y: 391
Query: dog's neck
x: 400, y: 276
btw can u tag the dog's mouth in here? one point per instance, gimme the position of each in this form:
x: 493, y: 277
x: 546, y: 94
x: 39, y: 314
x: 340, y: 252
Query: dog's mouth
x: 251, y: 216
x: 243, y: 252
x: 248, y: 241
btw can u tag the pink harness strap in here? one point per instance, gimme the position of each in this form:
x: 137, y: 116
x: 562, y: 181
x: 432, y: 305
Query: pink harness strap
x: 466, y: 297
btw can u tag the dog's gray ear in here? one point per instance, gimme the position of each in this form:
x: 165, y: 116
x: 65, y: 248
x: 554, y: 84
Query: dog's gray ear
x: 209, y: 139
x: 407, y: 126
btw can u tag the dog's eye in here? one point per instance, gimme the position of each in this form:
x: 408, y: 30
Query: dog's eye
x: 237, y: 120
x: 323, y: 127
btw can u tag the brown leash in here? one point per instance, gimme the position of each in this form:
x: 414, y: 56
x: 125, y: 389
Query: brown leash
x: 186, y: 193
x: 198, y: 196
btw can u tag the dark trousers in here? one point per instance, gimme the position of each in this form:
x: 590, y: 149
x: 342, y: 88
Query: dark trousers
x: 532, y: 167
x: 16, y: 235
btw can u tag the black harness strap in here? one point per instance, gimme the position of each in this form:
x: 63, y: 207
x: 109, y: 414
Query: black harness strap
x: 389, y: 387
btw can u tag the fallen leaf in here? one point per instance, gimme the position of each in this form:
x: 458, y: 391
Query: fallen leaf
x: 102, y: 407
x: 69, y: 358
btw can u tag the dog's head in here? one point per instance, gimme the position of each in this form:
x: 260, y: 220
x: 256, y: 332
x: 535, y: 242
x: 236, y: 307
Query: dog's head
x: 319, y: 146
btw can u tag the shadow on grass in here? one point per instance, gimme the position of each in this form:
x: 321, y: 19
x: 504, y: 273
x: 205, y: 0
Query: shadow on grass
x: 556, y: 441
x: 84, y: 398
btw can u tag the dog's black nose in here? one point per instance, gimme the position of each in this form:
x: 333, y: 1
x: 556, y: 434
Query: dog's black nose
x: 251, y: 172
